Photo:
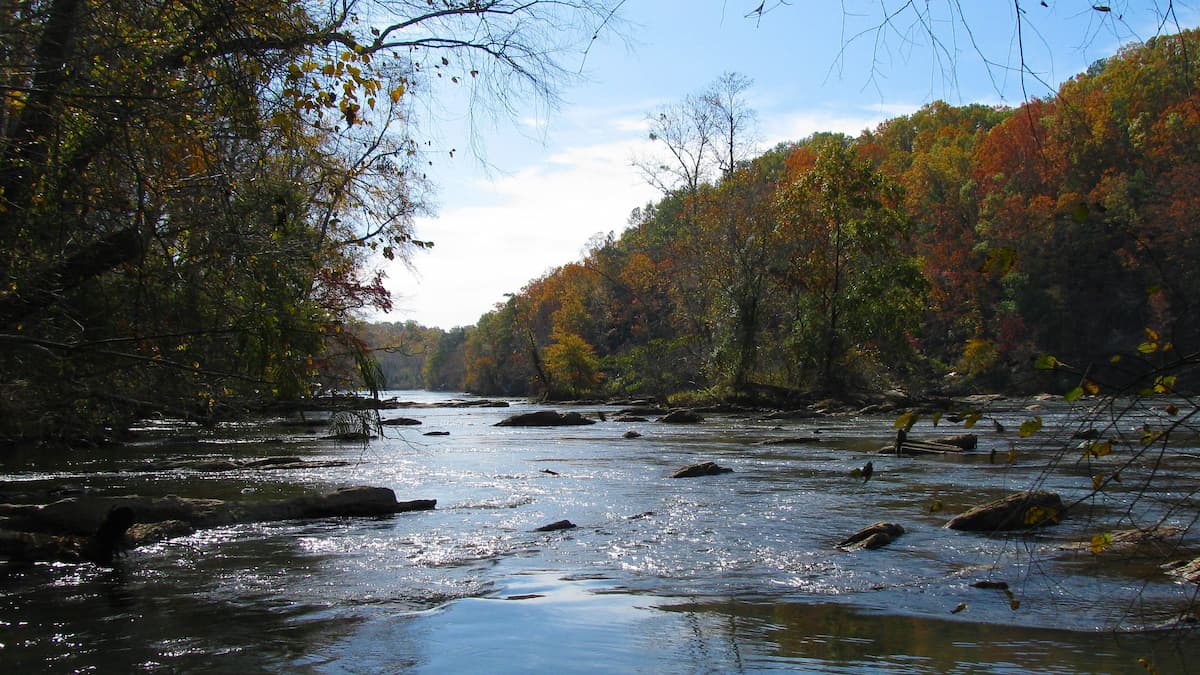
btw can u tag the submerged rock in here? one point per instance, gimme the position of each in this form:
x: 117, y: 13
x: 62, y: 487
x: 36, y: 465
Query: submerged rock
x: 545, y: 418
x: 701, y: 469
x: 872, y: 536
x: 556, y: 525
x: 631, y: 434
x: 1019, y: 511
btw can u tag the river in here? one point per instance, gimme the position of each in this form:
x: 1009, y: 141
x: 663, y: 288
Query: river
x: 737, y: 572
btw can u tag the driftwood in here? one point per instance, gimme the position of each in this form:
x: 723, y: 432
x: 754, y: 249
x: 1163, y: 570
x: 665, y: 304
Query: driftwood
x: 1147, y: 542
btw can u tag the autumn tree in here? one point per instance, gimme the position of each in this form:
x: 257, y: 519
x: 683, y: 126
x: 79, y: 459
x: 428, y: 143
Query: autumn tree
x: 857, y: 296
x: 191, y: 192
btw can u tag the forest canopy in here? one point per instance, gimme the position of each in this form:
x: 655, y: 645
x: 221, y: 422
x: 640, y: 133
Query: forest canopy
x: 191, y: 192
x: 950, y: 249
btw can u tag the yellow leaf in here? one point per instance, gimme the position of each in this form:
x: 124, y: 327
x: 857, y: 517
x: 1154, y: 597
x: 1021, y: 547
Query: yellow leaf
x: 960, y: 607
x: 1030, y: 427
x: 1100, y: 542
x: 1097, y: 481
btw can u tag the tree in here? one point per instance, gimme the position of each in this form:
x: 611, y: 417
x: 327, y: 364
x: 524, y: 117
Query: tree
x: 571, y: 364
x: 854, y: 288
x: 704, y: 136
x: 190, y: 191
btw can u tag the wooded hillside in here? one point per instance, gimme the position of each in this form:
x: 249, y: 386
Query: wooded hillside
x: 950, y: 248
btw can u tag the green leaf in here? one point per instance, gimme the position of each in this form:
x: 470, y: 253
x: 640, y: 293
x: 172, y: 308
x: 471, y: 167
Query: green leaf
x: 1100, y: 542
x: 1074, y: 394
x: 972, y: 420
x: 1046, y: 362
x: 935, y: 418
x: 1030, y: 427
x: 905, y: 421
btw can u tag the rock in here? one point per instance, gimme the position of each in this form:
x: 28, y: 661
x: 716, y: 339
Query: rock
x: 992, y: 585
x: 681, y: 417
x: 963, y: 441
x: 631, y: 434
x: 556, y: 525
x: 349, y: 437
x: 629, y: 418
x: 872, y: 536
x: 545, y: 418
x: 795, y: 440
x: 144, y: 534
x: 1018, y: 511
x: 701, y: 469
x: 642, y: 411
x: 400, y: 422
x: 82, y: 516
x: 220, y: 465
x: 436, y: 433
x: 271, y: 461
x: 108, y: 541
x: 910, y: 447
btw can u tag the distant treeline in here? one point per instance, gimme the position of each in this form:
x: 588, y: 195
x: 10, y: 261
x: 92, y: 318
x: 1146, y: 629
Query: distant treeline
x: 954, y: 246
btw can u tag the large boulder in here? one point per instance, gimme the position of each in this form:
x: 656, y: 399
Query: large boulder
x: 701, y: 469
x: 1023, y: 510
x: 545, y: 418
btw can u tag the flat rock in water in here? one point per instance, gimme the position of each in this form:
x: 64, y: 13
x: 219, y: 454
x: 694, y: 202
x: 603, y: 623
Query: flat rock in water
x: 82, y: 515
x: 701, y: 469
x: 795, y: 440
x: 681, y: 417
x: 400, y: 422
x: 545, y: 418
x: 1023, y: 510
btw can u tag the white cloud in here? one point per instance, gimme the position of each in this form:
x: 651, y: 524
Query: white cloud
x: 533, y: 220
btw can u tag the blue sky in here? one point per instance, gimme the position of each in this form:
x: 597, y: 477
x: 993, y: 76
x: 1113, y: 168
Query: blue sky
x: 544, y: 181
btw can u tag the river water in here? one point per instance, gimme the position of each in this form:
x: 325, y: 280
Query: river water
x: 731, y: 573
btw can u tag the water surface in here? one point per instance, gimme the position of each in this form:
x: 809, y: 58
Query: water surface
x: 737, y: 572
